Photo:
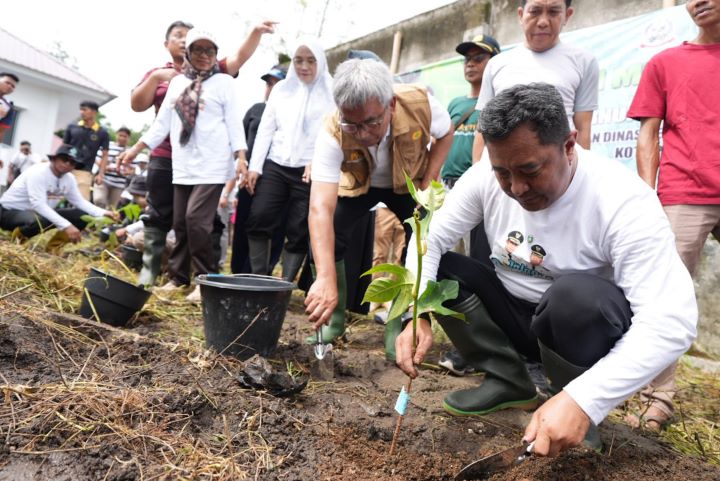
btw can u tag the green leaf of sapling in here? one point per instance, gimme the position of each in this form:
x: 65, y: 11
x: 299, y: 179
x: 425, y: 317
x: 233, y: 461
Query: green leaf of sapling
x: 435, y: 294
x: 398, y: 271
x: 401, y: 303
x: 383, y: 289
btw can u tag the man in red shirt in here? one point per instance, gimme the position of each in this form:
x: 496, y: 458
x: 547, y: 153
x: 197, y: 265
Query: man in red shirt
x: 678, y: 88
x: 150, y: 92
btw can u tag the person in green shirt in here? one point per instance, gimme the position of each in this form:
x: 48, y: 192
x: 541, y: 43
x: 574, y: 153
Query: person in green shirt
x: 462, y: 111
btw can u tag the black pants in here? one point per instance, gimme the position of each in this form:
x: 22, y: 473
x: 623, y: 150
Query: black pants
x: 278, y: 190
x: 580, y: 316
x: 194, y: 222
x: 350, y: 210
x: 160, y: 194
x: 31, y: 224
x: 240, y: 262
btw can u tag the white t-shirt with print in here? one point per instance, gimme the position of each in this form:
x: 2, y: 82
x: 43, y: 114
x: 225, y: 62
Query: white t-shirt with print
x: 608, y: 223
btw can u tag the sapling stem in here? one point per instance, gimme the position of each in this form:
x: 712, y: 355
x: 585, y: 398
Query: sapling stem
x: 418, y: 241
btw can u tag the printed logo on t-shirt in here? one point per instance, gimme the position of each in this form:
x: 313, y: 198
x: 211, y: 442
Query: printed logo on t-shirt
x: 55, y: 194
x: 515, y: 254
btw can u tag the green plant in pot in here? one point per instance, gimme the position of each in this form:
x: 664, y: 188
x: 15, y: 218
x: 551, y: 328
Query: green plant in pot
x: 402, y: 288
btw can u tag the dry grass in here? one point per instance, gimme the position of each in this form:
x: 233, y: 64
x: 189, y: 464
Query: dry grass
x: 97, y: 398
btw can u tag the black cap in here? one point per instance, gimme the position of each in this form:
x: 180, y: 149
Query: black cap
x: 485, y: 42
x: 278, y: 71
x: 516, y: 237
x: 363, y: 55
x: 538, y: 250
x: 67, y: 151
x: 138, y: 185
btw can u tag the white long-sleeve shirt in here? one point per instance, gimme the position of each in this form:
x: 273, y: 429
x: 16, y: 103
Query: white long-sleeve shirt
x: 608, y: 223
x: 274, y: 138
x: 207, y: 158
x: 39, y: 189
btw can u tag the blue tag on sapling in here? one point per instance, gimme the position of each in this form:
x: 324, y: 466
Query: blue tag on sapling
x: 402, y: 402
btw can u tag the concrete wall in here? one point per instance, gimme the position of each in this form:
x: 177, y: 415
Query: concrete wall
x: 427, y: 38
x: 432, y: 36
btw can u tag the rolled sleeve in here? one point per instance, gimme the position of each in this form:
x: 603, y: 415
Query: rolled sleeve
x: 327, y: 159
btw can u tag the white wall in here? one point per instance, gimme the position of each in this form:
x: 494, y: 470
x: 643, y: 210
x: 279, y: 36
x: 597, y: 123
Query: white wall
x: 38, y: 112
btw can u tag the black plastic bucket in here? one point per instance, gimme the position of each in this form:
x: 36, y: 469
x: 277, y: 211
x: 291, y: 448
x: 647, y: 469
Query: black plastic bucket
x: 132, y: 257
x: 243, y: 313
x: 114, y: 300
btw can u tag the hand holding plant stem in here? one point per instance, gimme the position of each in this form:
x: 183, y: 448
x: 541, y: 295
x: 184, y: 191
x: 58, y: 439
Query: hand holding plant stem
x: 403, y: 289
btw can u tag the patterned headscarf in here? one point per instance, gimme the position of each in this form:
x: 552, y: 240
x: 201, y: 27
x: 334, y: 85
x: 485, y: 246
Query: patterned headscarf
x: 189, y: 101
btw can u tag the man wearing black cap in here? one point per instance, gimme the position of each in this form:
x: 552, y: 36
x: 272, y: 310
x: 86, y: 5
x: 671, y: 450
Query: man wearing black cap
x: 88, y: 137
x: 240, y: 264
x: 476, y: 53
x: 28, y: 207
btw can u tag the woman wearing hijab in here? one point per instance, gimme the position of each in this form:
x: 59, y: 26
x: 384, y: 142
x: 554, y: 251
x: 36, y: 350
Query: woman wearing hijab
x: 201, y: 114
x: 279, y: 172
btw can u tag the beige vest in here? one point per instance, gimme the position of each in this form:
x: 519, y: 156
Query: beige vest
x: 410, y: 130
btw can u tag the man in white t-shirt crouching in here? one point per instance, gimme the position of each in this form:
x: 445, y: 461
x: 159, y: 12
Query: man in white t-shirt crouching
x: 591, y: 283
x: 28, y: 207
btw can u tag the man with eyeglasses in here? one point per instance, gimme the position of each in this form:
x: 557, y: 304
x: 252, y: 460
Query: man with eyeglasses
x: 379, y: 131
x: 544, y: 58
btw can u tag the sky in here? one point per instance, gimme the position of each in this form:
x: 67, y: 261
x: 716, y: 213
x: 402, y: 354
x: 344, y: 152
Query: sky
x: 115, y: 43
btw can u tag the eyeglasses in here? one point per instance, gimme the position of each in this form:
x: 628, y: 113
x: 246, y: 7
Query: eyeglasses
x: 208, y: 51
x: 369, y: 124
x: 477, y: 58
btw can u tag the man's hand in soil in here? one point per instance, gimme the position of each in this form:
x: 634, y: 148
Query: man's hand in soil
x: 404, y: 346
x: 73, y: 233
x: 557, y: 425
x: 321, y: 301
x: 112, y: 215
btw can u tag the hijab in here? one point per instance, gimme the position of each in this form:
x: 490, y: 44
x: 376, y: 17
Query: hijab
x: 303, y: 105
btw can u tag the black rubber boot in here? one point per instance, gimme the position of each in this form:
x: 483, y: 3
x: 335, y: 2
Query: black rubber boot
x: 560, y: 372
x: 291, y: 264
x: 259, y: 255
x: 336, y: 326
x: 153, y: 248
x: 485, y: 346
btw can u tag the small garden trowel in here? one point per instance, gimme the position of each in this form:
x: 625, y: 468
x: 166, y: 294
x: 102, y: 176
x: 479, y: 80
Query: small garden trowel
x: 320, y: 347
x: 502, y: 461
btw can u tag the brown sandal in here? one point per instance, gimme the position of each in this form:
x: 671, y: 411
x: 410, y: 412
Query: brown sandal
x: 652, y: 419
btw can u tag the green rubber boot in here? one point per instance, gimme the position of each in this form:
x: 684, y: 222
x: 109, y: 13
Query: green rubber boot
x: 153, y: 248
x: 336, y: 326
x: 560, y: 372
x: 485, y: 346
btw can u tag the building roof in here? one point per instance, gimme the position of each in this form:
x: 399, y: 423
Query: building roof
x: 16, y: 51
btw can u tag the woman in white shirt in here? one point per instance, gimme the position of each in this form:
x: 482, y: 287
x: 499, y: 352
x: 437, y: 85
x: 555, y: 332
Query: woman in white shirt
x: 279, y: 172
x: 200, y: 112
